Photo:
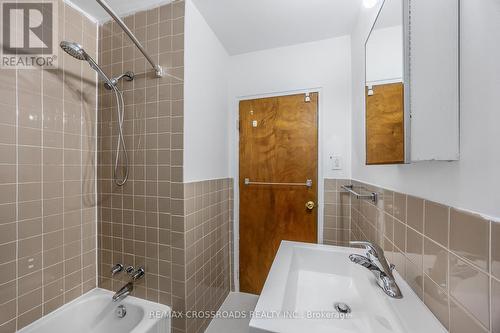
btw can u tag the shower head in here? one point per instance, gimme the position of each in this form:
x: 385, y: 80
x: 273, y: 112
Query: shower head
x: 75, y: 50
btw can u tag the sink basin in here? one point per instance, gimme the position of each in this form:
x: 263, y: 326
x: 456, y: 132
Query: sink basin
x: 307, y: 281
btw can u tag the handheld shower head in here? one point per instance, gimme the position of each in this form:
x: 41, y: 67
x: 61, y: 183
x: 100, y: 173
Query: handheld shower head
x: 75, y: 50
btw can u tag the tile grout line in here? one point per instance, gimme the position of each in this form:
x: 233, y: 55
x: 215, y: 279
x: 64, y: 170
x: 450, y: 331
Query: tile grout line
x: 17, y: 195
x: 157, y: 169
x: 490, y: 280
x: 63, y: 171
x: 96, y: 158
x: 42, y: 187
x: 82, y: 168
x: 423, y: 251
x: 448, y: 277
x: 468, y: 313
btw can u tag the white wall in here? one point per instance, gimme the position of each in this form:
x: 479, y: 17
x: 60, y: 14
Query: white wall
x: 206, y: 62
x: 384, y: 61
x: 324, y: 65
x: 214, y: 82
x: 473, y: 182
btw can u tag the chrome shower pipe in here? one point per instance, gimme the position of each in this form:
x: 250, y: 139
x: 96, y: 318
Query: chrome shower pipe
x: 127, y: 76
x: 158, y: 69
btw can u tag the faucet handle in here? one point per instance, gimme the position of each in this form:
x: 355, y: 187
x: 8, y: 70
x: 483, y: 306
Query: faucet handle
x: 138, y: 274
x: 130, y: 270
x: 116, y: 269
x: 378, y: 253
x: 372, y: 248
x: 135, y: 274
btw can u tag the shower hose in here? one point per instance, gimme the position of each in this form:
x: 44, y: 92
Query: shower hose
x: 120, y: 145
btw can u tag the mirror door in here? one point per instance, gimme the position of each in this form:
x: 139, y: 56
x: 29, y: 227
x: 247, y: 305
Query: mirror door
x: 387, y: 117
x: 413, y: 83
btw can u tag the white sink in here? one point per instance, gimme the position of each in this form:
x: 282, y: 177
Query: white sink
x: 307, y: 280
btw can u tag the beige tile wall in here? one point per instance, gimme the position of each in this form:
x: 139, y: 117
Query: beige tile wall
x: 207, y: 238
x: 142, y: 223
x: 231, y: 236
x: 47, y: 181
x: 337, y: 213
x: 179, y: 232
x: 442, y: 252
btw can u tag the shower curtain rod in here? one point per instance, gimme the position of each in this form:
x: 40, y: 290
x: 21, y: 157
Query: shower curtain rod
x: 158, y: 69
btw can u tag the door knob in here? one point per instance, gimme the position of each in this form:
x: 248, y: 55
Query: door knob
x: 310, y: 205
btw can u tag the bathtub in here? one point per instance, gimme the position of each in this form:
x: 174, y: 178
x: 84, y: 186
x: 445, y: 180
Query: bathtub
x: 95, y: 312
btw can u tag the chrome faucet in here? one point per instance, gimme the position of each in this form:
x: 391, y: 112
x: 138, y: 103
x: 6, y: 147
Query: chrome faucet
x: 135, y: 274
x: 123, y: 292
x: 376, y: 262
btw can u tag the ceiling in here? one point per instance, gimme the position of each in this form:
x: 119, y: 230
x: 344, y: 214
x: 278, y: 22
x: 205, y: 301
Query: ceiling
x: 390, y: 15
x: 245, y: 26
x: 121, y: 7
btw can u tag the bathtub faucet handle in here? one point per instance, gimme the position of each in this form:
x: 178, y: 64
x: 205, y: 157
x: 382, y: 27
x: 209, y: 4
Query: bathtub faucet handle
x: 138, y: 274
x: 116, y: 269
x: 130, y: 270
x: 135, y: 274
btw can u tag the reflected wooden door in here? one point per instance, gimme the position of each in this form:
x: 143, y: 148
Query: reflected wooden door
x: 278, y: 144
x: 385, y: 124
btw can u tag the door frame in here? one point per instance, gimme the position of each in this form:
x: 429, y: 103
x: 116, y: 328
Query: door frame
x: 234, y: 167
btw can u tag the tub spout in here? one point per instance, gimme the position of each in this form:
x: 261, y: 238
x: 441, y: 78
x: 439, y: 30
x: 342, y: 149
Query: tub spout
x: 123, y: 292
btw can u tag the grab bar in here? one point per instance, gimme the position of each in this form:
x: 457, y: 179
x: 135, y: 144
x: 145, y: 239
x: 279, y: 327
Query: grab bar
x: 308, y: 183
x: 372, y: 196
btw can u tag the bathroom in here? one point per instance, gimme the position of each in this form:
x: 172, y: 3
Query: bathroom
x: 232, y: 166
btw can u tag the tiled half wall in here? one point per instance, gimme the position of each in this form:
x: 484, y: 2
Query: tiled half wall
x: 337, y: 213
x: 449, y: 257
x: 208, y: 221
x: 193, y: 268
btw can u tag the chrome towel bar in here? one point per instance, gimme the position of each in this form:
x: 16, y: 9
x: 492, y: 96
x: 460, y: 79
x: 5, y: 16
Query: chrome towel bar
x: 308, y: 183
x: 372, y: 196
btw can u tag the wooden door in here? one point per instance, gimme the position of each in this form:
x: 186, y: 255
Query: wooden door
x: 385, y: 124
x: 278, y: 144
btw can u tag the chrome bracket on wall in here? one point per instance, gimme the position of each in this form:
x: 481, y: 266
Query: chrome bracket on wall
x: 159, y: 71
x: 372, y: 196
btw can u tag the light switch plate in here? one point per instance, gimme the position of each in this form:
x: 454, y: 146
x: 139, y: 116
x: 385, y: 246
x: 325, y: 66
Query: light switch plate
x: 336, y: 162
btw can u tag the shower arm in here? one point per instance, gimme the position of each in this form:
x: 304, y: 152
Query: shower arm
x: 158, y: 69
